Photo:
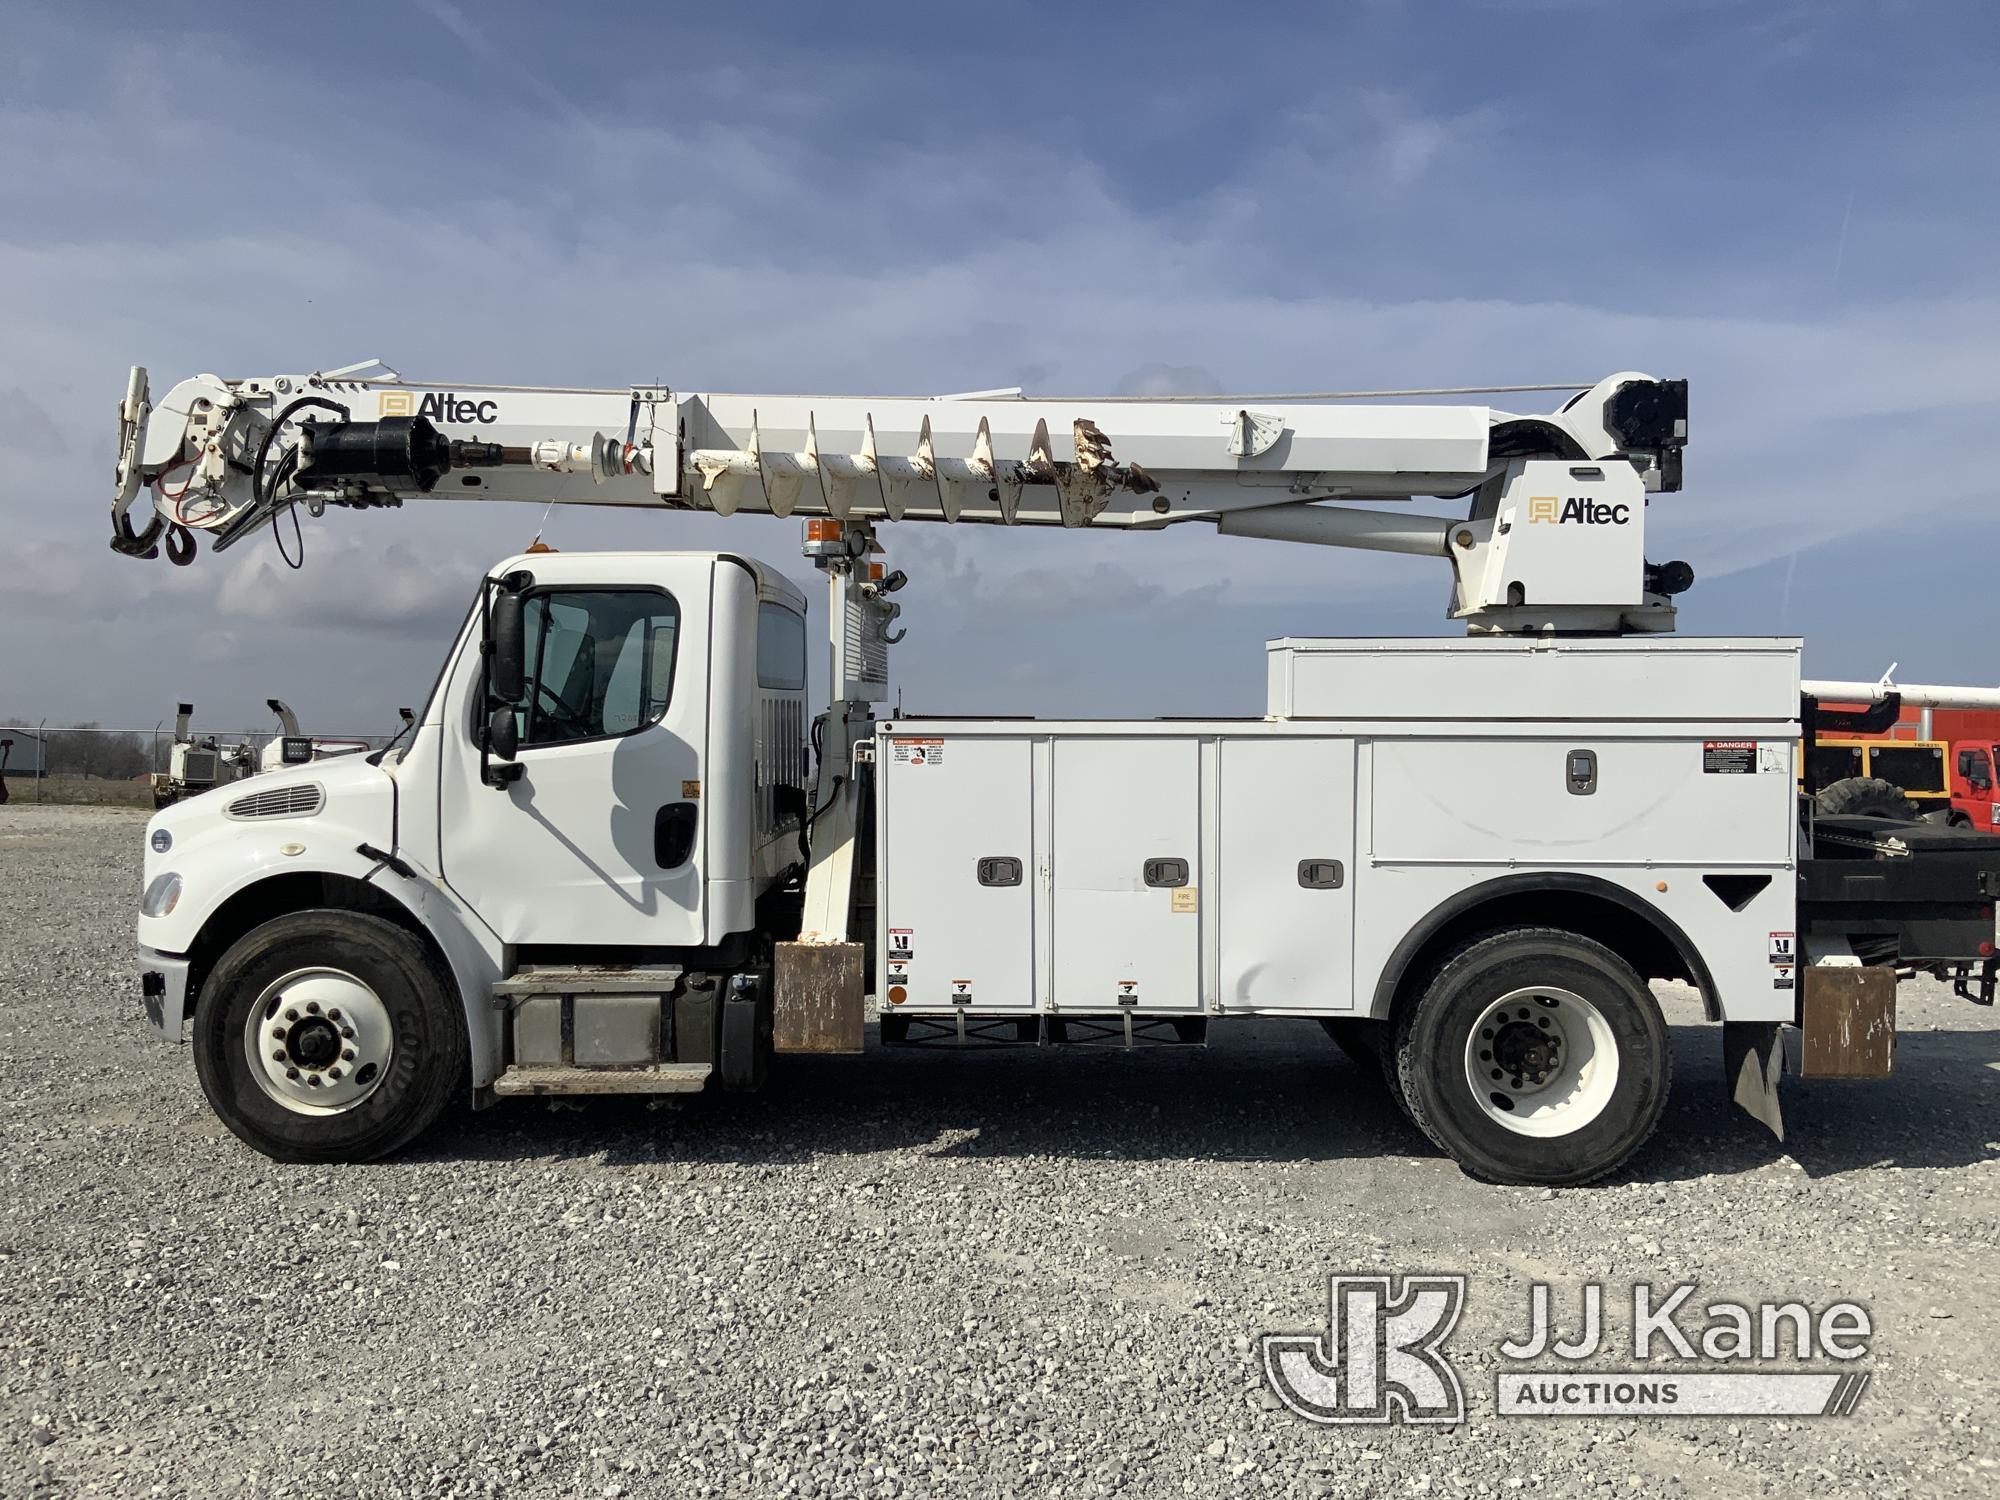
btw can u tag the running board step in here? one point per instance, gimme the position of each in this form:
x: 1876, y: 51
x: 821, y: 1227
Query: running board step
x: 661, y: 1078
x: 589, y: 979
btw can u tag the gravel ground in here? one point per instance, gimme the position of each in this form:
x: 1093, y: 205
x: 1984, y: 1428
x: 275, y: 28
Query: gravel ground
x: 906, y: 1273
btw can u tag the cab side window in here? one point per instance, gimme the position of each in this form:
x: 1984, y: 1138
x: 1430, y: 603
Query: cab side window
x: 600, y: 663
x: 781, y: 648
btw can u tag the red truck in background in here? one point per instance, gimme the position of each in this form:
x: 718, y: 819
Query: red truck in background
x: 1972, y: 738
x: 1975, y: 757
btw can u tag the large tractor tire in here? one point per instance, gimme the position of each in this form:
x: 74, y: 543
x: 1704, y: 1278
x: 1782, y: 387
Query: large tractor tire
x: 1867, y: 797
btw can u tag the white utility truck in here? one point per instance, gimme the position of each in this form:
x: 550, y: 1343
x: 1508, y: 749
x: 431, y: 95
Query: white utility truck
x: 617, y: 852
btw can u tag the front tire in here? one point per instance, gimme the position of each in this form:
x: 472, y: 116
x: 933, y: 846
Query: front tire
x: 1535, y: 1056
x: 328, y: 1036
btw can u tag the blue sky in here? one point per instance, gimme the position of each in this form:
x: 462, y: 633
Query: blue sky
x: 1794, y: 206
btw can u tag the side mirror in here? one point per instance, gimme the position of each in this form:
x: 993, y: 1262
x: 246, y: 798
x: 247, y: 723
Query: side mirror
x: 507, y: 665
x: 503, y: 735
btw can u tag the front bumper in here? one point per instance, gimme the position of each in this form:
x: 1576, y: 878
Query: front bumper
x: 163, y: 980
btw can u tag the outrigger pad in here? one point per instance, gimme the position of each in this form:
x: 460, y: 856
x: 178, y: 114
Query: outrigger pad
x: 1753, y: 1058
x: 819, y: 998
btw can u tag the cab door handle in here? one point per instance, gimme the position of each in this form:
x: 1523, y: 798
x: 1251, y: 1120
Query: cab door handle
x: 673, y: 834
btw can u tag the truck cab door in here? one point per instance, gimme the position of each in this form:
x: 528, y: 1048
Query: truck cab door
x: 595, y: 838
x: 1972, y: 786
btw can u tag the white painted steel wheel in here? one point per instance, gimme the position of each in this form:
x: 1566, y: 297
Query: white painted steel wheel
x: 319, y: 1041
x: 1541, y: 1061
x: 1578, y: 1044
x: 291, y: 999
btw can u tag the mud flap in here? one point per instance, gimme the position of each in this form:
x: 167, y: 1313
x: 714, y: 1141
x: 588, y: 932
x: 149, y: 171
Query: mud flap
x: 1753, y: 1058
x: 821, y: 997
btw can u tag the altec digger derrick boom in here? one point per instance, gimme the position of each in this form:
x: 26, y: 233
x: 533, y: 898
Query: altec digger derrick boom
x: 1547, y: 534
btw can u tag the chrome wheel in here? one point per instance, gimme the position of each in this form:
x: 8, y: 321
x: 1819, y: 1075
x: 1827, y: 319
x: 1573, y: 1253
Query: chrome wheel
x: 319, y: 1041
x: 1541, y: 1062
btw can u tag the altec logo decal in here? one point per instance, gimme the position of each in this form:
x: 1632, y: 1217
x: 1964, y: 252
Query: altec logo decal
x: 439, y: 406
x: 1576, y: 511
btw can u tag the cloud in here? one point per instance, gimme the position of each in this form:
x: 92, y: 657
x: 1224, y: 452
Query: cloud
x: 24, y: 425
x: 876, y: 225
x: 1168, y: 380
x: 351, y: 587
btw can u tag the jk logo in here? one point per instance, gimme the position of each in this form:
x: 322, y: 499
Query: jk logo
x: 396, y: 404
x: 1543, y: 508
x: 1380, y: 1359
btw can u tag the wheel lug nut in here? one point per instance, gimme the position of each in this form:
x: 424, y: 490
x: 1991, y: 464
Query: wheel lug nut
x: 279, y: 1055
x: 291, y: 1015
x: 348, y: 1032
x: 333, y: 1073
x: 313, y: 1079
x: 312, y: 1007
x: 292, y: 1073
x: 278, y: 1034
x: 333, y: 1015
x: 347, y: 1054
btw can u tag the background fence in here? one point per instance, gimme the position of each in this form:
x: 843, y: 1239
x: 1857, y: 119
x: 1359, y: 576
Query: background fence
x: 53, y: 762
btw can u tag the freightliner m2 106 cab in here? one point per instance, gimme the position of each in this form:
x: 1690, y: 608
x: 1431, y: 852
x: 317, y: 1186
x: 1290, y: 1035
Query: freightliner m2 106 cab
x: 619, y: 852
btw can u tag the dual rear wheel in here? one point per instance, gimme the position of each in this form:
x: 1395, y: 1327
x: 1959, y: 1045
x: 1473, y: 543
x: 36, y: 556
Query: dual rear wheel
x: 1530, y: 1055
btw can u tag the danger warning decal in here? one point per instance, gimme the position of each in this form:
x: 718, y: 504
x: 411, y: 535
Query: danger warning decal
x: 1729, y: 757
x: 918, y: 752
x: 902, y: 944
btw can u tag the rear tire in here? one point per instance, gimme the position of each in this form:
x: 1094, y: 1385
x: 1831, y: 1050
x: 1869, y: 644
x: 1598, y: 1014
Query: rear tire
x: 269, y: 1022
x: 1578, y: 1041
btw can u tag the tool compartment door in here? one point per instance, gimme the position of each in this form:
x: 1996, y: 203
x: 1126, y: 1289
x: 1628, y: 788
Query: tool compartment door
x: 957, y: 923
x: 1285, y: 871
x: 1126, y: 811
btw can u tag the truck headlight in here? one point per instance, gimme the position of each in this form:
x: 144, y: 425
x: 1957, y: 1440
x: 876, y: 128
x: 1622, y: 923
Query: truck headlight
x: 163, y: 893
